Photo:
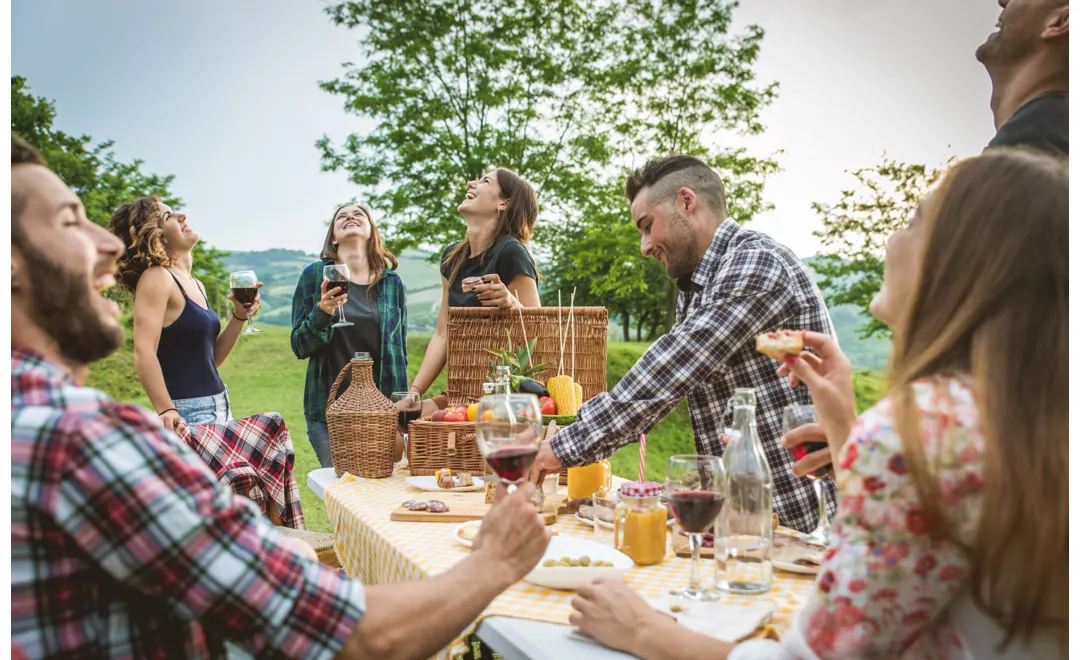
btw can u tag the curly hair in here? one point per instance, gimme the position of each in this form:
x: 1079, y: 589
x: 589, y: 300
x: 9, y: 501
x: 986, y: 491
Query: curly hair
x: 138, y: 224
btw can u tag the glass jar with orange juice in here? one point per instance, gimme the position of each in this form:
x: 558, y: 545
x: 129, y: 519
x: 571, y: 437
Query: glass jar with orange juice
x: 583, y: 482
x: 641, y: 523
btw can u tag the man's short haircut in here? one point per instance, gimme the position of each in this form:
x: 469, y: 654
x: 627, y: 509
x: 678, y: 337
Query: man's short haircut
x: 665, y: 176
x: 21, y: 154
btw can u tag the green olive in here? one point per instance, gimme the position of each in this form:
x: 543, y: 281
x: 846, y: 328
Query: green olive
x: 548, y: 563
x: 584, y: 561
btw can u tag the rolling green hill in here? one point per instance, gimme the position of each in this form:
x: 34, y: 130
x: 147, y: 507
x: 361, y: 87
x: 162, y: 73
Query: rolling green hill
x: 263, y: 376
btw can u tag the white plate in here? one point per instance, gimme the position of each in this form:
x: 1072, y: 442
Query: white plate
x: 457, y: 532
x: 573, y: 578
x: 796, y: 568
x: 431, y: 485
x: 607, y: 525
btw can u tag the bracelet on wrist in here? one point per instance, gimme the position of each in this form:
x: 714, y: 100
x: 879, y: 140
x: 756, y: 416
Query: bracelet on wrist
x: 242, y: 320
x: 167, y: 410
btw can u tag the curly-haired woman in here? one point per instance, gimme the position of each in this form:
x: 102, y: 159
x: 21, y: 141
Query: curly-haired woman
x: 179, y: 341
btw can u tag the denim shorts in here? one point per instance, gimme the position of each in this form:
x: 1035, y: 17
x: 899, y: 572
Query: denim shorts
x: 319, y: 437
x: 205, y: 409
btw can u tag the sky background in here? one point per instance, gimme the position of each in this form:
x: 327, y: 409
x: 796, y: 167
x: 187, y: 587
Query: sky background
x: 224, y: 95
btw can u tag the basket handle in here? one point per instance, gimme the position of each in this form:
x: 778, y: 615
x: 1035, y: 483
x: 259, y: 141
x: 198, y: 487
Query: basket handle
x: 451, y: 443
x: 337, y: 382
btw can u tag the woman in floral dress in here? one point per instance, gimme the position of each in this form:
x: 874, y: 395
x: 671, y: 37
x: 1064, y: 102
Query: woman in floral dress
x: 951, y: 538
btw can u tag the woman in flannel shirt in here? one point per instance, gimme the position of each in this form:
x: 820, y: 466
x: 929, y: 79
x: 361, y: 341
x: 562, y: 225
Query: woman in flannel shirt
x: 951, y: 536
x: 374, y: 304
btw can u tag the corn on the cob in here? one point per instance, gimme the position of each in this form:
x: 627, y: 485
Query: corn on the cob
x: 561, y: 389
x: 578, y: 394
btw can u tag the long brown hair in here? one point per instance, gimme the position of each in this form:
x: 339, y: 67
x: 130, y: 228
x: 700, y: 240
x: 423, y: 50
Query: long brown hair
x: 517, y: 221
x: 991, y: 300
x: 138, y: 224
x: 379, y: 258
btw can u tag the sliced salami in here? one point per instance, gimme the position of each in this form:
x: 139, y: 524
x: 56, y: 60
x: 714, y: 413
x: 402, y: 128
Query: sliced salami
x: 435, y: 506
x: 413, y: 505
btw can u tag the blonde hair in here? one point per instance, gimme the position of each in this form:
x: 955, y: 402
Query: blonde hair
x: 991, y: 300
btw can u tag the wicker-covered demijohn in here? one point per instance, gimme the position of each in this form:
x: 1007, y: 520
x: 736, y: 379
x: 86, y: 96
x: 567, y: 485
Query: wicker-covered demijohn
x: 362, y: 424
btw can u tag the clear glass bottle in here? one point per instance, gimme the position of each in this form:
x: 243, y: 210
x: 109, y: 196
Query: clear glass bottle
x: 502, y: 380
x: 641, y: 523
x: 744, y: 540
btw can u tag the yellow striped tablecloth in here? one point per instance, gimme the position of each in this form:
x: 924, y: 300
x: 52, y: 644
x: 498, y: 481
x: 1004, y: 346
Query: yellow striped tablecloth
x: 380, y: 551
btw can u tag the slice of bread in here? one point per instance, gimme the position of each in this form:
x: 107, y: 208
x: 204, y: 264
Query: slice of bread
x: 779, y: 344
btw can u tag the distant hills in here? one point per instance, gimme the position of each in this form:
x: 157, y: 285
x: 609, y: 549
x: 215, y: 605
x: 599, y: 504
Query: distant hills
x: 279, y: 269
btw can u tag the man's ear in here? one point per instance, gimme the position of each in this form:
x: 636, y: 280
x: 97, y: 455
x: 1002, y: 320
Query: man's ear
x: 1058, y: 27
x: 686, y: 200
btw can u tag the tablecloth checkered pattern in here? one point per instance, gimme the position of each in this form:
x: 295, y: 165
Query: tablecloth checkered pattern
x: 380, y: 551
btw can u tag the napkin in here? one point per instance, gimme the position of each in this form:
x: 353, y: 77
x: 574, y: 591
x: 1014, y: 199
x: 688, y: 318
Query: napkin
x: 729, y: 623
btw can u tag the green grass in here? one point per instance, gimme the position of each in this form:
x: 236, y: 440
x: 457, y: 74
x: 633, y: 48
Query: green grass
x: 264, y: 376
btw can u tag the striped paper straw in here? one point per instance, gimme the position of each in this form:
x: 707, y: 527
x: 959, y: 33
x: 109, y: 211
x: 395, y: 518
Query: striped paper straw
x: 641, y: 459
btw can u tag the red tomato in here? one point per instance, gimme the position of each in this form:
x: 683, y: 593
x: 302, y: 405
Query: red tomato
x: 454, y: 417
x: 548, y: 408
x: 463, y: 412
x: 544, y: 399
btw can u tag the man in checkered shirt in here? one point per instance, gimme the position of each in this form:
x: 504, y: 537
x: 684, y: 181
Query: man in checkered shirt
x: 125, y: 545
x: 734, y: 284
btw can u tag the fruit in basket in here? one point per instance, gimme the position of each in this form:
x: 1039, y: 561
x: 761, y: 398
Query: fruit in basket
x: 454, y: 417
x: 472, y: 412
x: 548, y: 407
x: 563, y: 391
x: 438, y: 416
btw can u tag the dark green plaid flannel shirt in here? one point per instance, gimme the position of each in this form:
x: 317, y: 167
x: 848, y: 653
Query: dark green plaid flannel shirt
x: 312, y: 333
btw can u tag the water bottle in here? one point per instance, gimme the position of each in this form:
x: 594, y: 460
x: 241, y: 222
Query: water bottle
x: 502, y: 380
x: 744, y: 540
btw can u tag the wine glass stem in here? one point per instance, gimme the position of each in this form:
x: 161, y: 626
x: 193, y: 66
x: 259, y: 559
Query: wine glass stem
x: 823, y: 503
x: 695, y: 561
x: 405, y: 441
x: 251, y: 323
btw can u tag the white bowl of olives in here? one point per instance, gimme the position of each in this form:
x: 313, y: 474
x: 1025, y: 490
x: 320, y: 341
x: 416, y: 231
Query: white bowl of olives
x: 571, y: 563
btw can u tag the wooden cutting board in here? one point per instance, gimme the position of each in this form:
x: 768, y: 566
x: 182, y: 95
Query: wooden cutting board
x: 463, y: 507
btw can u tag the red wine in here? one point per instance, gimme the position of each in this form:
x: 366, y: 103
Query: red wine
x: 245, y: 296
x: 696, y: 510
x: 800, y: 451
x: 343, y: 285
x: 404, y: 417
x: 512, y: 463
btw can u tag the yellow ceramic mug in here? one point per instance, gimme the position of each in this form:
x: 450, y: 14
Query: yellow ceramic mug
x: 582, y: 482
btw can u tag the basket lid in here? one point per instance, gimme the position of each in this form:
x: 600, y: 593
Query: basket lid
x: 641, y: 489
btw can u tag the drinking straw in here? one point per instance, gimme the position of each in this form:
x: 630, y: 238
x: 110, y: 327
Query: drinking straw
x: 572, y: 360
x: 640, y: 459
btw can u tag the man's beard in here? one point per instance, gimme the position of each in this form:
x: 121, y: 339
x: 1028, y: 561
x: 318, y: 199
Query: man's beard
x: 61, y: 305
x: 1013, y: 43
x: 682, y: 258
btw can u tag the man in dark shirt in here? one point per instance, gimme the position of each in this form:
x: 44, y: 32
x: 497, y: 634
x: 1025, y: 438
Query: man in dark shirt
x: 1028, y: 62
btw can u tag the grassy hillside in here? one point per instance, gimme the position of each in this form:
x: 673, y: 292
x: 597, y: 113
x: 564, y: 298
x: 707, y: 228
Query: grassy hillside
x: 263, y: 376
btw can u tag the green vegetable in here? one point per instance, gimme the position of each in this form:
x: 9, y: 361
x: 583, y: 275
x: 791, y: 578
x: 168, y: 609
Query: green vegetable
x: 561, y: 420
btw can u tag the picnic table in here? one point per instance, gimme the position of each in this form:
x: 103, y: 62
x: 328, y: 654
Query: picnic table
x: 526, y: 621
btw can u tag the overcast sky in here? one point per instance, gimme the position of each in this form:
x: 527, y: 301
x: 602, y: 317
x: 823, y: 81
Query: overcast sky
x: 224, y: 95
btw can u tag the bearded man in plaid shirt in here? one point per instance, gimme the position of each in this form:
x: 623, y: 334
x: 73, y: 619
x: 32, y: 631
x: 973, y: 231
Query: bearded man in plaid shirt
x: 734, y: 284
x: 125, y: 545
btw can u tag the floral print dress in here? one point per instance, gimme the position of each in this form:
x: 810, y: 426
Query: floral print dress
x: 885, y: 587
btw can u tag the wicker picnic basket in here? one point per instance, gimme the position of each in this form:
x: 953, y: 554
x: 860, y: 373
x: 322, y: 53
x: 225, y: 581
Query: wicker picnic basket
x: 470, y: 332
x: 362, y: 424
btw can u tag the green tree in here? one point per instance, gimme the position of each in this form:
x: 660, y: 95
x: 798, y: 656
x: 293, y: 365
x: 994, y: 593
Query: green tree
x: 99, y: 179
x: 456, y: 88
x: 856, y: 228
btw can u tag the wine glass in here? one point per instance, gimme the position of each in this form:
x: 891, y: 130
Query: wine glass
x: 245, y: 286
x: 509, y: 428
x: 407, y: 412
x: 695, y: 490
x: 794, y: 417
x: 338, y: 277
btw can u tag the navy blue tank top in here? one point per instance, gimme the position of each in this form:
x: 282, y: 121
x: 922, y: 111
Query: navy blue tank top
x: 186, y: 351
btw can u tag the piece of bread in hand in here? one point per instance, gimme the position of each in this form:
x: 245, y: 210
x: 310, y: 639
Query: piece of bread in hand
x: 779, y: 344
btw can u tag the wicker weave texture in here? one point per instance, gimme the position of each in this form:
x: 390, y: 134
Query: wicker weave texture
x: 437, y: 445
x: 362, y: 425
x: 473, y: 330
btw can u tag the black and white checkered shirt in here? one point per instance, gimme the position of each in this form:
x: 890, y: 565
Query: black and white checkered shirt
x: 746, y: 284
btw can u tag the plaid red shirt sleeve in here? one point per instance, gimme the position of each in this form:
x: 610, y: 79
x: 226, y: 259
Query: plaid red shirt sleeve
x: 148, y: 511
x: 751, y: 294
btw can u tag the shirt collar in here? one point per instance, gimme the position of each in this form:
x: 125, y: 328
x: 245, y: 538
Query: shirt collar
x: 717, y: 248
x: 25, y: 361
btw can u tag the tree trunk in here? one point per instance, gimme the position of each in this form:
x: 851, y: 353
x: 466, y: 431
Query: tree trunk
x: 672, y: 300
x: 625, y: 326
x: 640, y: 320
x: 653, y: 326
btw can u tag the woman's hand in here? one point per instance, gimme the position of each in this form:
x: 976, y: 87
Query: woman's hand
x: 332, y: 299
x: 493, y: 293
x: 809, y: 463
x: 172, y: 421
x: 828, y: 376
x: 249, y: 310
x: 614, y: 614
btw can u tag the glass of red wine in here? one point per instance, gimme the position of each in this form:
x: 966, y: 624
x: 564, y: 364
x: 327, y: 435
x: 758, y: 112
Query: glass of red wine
x: 695, y: 491
x: 407, y: 412
x: 509, y: 428
x: 245, y: 287
x: 794, y: 417
x: 337, y: 277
